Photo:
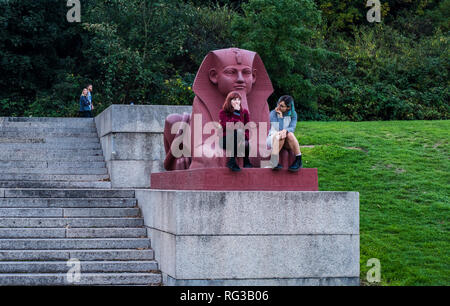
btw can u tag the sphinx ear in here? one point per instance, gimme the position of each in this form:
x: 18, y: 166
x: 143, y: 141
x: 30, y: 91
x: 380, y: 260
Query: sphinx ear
x: 254, y: 76
x: 213, y: 76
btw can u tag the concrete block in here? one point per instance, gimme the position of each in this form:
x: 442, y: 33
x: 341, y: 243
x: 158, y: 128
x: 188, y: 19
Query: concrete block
x: 132, y: 173
x: 254, y: 238
x: 272, y: 256
x: 133, y: 146
x: 250, y: 212
x: 136, y: 118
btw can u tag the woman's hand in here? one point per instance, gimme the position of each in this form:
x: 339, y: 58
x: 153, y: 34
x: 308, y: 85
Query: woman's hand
x: 236, y: 104
x: 279, y: 112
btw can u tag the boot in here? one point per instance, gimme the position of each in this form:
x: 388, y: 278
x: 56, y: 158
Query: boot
x: 232, y: 165
x: 277, y: 167
x: 247, y: 163
x: 297, y: 164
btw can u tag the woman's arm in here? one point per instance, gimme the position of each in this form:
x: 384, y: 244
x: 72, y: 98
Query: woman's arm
x: 85, y: 101
x: 293, y: 124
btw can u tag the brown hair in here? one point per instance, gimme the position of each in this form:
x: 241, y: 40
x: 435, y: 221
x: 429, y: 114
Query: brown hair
x: 227, y: 105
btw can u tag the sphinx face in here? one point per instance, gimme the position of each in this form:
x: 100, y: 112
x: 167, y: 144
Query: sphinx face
x: 233, y: 78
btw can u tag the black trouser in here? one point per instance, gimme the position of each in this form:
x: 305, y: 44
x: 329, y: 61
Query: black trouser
x: 223, y: 144
x: 86, y: 114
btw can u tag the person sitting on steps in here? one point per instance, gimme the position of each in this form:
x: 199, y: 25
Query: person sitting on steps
x: 283, y: 120
x: 233, y: 112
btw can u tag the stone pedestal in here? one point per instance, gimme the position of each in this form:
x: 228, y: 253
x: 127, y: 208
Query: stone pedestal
x: 253, y: 237
x: 132, y: 141
x: 256, y: 179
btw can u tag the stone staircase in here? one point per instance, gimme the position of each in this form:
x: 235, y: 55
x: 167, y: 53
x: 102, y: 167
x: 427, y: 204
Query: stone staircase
x: 56, y: 204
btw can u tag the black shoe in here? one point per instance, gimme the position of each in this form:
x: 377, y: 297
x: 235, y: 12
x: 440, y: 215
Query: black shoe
x: 277, y: 167
x: 247, y: 163
x: 297, y: 164
x: 232, y: 165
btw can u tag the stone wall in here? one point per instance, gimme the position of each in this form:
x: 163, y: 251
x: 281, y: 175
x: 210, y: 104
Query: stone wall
x: 132, y: 141
x: 253, y: 238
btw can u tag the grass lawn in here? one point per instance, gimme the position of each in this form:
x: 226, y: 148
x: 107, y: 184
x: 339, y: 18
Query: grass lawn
x: 401, y: 170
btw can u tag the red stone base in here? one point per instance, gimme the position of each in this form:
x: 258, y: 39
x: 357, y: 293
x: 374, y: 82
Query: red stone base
x: 255, y: 179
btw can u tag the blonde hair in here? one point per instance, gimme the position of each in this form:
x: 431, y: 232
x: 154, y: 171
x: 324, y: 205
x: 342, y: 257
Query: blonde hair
x: 83, y: 92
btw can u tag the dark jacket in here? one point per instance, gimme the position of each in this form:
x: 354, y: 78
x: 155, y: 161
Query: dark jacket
x: 234, y: 117
x: 85, y: 105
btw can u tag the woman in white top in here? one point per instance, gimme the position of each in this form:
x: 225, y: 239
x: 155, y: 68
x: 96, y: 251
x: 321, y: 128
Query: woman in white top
x: 283, y: 120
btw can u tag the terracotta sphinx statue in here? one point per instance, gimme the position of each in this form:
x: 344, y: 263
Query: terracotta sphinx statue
x: 221, y: 72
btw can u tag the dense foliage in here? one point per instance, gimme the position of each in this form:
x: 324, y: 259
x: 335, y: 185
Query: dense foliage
x: 337, y: 65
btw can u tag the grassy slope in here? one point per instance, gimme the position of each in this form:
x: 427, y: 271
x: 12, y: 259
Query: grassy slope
x: 402, y: 175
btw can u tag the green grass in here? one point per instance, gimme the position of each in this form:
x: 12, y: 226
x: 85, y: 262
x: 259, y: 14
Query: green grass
x: 401, y: 170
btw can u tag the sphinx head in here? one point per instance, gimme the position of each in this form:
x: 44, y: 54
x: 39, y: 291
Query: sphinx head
x: 226, y: 70
x: 233, y: 71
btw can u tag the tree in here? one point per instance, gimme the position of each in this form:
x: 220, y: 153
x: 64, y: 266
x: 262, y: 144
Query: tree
x: 284, y: 33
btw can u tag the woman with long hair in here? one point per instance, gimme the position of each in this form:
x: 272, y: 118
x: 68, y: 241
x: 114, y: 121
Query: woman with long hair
x: 283, y: 121
x: 233, y: 112
x: 85, y: 105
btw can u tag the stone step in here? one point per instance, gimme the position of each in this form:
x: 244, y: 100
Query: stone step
x: 67, y: 203
x: 34, y: 134
x: 51, y: 164
x: 54, y: 184
x: 53, y: 177
x: 91, y: 255
x: 49, y: 154
x: 53, y: 170
x: 5, y: 120
x: 68, y: 212
x: 68, y: 193
x: 23, y: 157
x: 85, y: 266
x: 47, y: 122
x: 61, y: 125
x: 70, y: 222
x: 128, y: 232
x: 50, y: 146
x: 48, y: 140
x: 55, y: 279
x: 47, y: 130
x: 74, y: 243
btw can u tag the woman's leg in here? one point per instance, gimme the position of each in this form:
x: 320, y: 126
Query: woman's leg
x: 280, y: 141
x: 293, y: 143
x: 295, y: 147
x: 231, y: 164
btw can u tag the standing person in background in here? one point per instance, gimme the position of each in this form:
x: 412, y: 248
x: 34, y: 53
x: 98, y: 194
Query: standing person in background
x: 85, y: 105
x: 89, y: 87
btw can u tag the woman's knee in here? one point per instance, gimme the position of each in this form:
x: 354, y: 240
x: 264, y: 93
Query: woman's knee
x: 291, y: 138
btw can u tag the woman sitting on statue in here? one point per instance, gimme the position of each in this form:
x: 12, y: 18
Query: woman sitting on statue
x: 232, y: 112
x: 283, y: 120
